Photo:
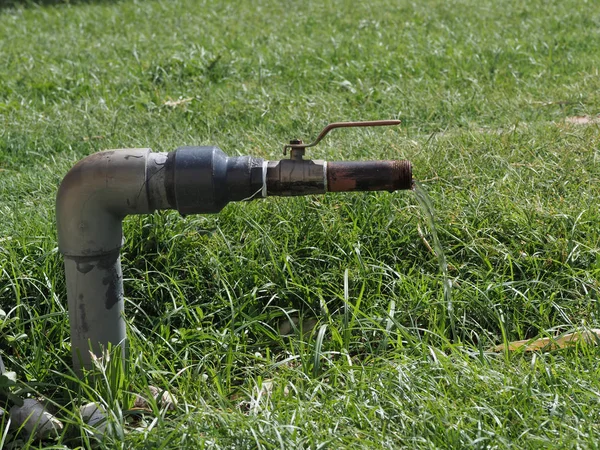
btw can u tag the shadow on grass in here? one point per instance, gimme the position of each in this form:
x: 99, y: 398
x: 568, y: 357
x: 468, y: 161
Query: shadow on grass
x: 42, y: 3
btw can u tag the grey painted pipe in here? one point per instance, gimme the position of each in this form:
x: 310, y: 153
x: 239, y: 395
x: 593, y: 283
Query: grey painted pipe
x: 93, y: 198
x: 100, y: 190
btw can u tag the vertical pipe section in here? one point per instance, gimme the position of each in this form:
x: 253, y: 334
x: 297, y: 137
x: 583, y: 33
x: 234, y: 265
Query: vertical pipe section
x: 93, y: 198
x: 95, y: 298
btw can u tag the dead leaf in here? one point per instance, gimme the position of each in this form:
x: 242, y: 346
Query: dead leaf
x: 179, y: 102
x: 591, y: 336
x: 583, y: 120
x: 88, y: 138
x: 164, y: 399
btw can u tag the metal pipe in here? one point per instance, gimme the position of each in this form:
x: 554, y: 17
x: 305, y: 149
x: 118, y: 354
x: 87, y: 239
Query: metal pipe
x: 369, y: 176
x: 92, y: 200
x: 100, y: 190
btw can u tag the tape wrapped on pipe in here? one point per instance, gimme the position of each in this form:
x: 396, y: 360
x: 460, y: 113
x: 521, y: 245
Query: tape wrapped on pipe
x: 264, y: 178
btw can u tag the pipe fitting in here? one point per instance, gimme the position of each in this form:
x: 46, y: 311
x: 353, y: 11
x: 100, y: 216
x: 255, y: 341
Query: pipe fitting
x: 93, y: 198
x: 205, y: 179
x: 291, y: 177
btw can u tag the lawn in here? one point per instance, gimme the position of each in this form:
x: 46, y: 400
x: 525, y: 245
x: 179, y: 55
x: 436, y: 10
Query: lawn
x: 499, y: 103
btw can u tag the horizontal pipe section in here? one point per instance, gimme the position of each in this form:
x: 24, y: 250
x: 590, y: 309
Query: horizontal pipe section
x: 344, y: 176
x: 205, y: 179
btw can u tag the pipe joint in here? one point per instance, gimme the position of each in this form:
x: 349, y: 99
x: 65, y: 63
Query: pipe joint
x: 205, y: 179
x: 94, y: 197
x: 292, y: 177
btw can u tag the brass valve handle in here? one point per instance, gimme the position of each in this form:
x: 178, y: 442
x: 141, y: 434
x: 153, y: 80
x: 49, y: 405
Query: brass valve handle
x: 297, y: 145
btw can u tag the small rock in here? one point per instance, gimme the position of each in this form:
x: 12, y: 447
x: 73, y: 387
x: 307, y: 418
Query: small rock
x: 164, y: 399
x: 292, y: 324
x: 95, y: 417
x: 35, y: 419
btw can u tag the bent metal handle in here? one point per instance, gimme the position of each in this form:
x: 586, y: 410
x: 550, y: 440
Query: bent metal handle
x: 298, y: 144
x: 100, y: 190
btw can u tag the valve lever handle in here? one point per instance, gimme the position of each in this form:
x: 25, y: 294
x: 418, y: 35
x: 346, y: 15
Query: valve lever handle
x: 299, y: 145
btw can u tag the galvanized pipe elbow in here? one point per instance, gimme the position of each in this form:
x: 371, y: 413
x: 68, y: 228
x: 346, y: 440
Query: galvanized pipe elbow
x: 94, y: 197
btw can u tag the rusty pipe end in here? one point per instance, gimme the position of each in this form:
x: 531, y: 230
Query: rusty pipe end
x: 344, y: 176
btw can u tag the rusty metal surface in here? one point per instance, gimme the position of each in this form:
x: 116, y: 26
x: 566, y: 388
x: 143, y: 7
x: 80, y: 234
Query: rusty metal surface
x: 297, y: 144
x: 343, y: 176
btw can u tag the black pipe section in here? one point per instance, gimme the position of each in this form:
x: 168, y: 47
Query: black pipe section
x: 205, y: 179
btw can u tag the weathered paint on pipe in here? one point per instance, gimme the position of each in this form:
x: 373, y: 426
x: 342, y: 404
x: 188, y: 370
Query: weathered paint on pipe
x: 93, y: 198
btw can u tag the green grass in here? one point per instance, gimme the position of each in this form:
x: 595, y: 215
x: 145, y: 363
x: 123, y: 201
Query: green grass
x: 482, y: 88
